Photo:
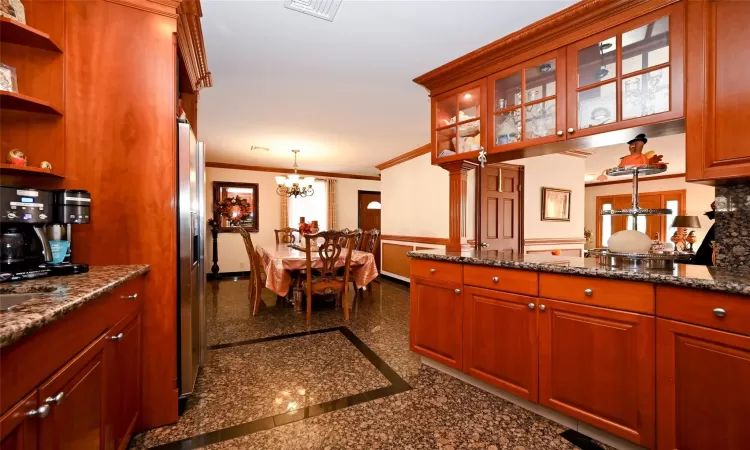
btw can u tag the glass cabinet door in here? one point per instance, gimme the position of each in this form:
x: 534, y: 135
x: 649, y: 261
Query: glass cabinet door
x: 625, y: 78
x: 525, y: 103
x: 458, y: 122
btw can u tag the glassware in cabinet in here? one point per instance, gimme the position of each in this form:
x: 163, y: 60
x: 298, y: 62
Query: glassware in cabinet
x: 458, y: 122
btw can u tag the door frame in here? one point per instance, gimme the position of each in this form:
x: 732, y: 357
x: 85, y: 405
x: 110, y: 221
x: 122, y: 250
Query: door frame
x: 478, y: 204
x: 359, y: 205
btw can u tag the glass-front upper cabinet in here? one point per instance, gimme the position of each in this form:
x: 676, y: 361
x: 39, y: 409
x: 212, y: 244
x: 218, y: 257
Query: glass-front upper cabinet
x: 526, y: 109
x: 458, y: 123
x: 628, y: 76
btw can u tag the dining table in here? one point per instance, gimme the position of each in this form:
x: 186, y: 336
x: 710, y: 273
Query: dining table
x: 283, y: 263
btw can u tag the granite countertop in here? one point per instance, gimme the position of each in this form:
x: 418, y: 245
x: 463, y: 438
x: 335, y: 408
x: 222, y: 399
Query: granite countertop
x: 54, y: 297
x: 683, y: 275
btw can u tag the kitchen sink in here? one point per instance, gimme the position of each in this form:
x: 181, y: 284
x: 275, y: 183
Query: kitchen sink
x: 9, y: 300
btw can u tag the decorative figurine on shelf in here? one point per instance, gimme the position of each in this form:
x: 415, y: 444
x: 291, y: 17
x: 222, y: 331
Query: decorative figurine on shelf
x: 16, y: 157
x: 13, y: 9
x: 637, y: 157
x: 45, y: 165
x: 8, y: 78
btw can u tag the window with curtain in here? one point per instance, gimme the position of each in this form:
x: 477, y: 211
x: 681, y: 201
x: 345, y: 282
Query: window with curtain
x: 311, y: 208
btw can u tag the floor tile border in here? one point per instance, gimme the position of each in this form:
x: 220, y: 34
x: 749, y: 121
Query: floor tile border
x: 397, y: 386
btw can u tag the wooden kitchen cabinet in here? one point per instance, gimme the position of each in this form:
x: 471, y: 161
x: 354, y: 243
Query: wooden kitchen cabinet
x: 717, y: 90
x: 597, y: 365
x: 123, y: 358
x: 18, y: 426
x: 75, y: 397
x: 526, y: 108
x: 459, y: 123
x: 500, y: 340
x: 629, y: 75
x: 703, y: 387
x: 437, y: 320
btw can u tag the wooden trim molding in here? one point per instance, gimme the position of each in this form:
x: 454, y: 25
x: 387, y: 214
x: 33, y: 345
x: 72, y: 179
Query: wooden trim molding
x: 578, y: 153
x: 417, y: 239
x: 553, y: 241
x: 554, y: 31
x: 190, y: 42
x: 641, y: 180
x: 405, y: 157
x: 219, y: 165
x: 166, y: 8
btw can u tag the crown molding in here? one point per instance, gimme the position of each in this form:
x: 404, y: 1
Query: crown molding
x: 405, y: 157
x: 353, y: 176
x: 190, y: 42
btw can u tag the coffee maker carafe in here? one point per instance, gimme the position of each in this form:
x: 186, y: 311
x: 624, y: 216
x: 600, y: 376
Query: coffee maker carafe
x: 24, y: 212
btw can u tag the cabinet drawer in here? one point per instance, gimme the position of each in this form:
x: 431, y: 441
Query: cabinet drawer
x: 509, y: 280
x: 436, y: 270
x: 704, y: 308
x: 615, y: 294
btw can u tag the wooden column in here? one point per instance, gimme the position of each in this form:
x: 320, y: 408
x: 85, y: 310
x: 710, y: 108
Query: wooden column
x: 457, y: 203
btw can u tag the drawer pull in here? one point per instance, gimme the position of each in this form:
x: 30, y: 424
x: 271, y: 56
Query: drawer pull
x: 719, y: 312
x: 542, y: 307
x: 495, y: 279
x: 458, y: 291
x: 588, y: 292
x: 41, y: 412
x: 117, y: 337
x: 57, y: 399
x: 532, y: 306
x: 131, y: 296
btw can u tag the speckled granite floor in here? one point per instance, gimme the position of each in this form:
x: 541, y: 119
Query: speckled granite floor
x: 246, y: 383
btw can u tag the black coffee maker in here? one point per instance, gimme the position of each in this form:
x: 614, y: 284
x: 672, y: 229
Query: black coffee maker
x: 24, y: 248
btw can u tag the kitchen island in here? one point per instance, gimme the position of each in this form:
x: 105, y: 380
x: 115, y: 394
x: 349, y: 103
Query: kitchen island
x: 613, y: 348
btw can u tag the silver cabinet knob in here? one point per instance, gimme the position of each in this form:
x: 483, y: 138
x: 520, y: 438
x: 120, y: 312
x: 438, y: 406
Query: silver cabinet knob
x: 117, y: 337
x: 432, y: 271
x: 458, y: 291
x: 559, y: 132
x: 719, y: 312
x: 495, y: 279
x: 131, y: 296
x: 57, y: 399
x: 588, y: 292
x: 542, y: 307
x: 41, y: 412
x: 571, y: 130
x: 532, y: 306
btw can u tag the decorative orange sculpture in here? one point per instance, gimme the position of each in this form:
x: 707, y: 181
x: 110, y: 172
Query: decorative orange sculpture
x: 636, y: 156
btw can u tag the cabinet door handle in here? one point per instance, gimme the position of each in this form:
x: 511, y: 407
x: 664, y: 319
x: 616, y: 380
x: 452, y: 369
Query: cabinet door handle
x: 588, y: 292
x: 131, y: 296
x: 495, y: 279
x: 532, y: 306
x: 559, y: 132
x: 458, y: 291
x: 41, y: 412
x: 57, y: 399
x: 571, y: 130
x: 542, y: 307
x: 719, y: 312
x: 432, y: 270
x: 117, y: 337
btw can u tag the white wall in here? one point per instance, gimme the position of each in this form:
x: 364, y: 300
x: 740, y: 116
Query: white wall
x: 415, y: 199
x: 232, y: 254
x: 698, y: 198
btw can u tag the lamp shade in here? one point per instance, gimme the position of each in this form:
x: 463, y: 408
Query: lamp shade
x: 686, y: 222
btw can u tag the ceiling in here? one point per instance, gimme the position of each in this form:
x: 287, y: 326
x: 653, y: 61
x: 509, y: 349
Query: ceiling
x: 671, y: 147
x: 339, y: 91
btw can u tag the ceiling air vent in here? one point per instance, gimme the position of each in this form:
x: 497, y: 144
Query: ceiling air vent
x: 322, y: 9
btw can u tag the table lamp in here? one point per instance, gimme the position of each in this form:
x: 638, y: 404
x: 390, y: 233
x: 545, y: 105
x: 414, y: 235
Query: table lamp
x: 687, y: 240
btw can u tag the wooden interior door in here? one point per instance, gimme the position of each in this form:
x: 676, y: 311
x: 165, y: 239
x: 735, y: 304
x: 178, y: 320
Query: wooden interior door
x: 597, y: 365
x: 368, y: 218
x: 436, y: 320
x: 703, y: 394
x: 501, y: 207
x: 500, y: 340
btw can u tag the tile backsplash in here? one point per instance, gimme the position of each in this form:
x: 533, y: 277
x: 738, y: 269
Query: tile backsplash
x: 733, y: 226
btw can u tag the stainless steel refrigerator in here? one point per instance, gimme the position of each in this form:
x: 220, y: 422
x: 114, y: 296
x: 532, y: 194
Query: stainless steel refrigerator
x: 191, y: 219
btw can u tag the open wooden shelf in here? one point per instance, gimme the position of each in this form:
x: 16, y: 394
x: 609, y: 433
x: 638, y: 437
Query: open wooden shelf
x: 15, y: 32
x: 10, y: 169
x: 20, y: 102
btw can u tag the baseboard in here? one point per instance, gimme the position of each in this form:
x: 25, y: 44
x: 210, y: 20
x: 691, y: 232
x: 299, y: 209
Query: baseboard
x: 564, y: 420
x: 227, y: 275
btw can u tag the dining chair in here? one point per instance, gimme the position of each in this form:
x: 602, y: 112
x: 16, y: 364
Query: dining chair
x: 326, y: 279
x: 286, y: 235
x: 369, y: 244
x: 257, y: 274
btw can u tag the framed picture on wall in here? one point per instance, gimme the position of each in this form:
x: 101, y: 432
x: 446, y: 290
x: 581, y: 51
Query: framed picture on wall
x: 555, y: 204
x: 248, y: 191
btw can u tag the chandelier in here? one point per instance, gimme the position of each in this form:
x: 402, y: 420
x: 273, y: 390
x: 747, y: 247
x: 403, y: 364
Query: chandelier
x: 293, y: 185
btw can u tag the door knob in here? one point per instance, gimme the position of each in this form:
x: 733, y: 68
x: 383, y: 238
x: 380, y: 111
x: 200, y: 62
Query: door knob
x: 559, y: 132
x: 588, y: 292
x: 532, y: 306
x: 571, y: 130
x: 458, y: 291
x: 719, y: 312
x: 57, y: 399
x: 484, y: 245
x: 495, y: 279
x: 117, y: 337
x: 41, y: 412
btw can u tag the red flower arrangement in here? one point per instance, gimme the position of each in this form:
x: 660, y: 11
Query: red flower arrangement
x: 234, y: 209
